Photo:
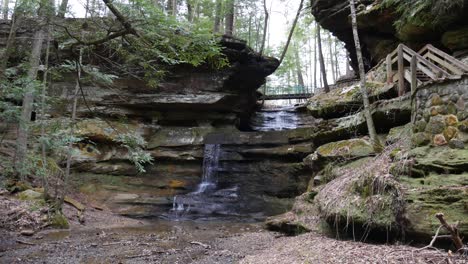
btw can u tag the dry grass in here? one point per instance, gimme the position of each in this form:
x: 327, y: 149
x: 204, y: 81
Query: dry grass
x: 367, y: 194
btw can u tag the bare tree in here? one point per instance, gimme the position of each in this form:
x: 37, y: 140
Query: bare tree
x: 265, y: 27
x: 62, y: 9
x: 332, y: 62
x: 217, y: 18
x: 28, y: 101
x: 300, y: 77
x: 362, y: 74
x: 326, y: 88
x: 5, y: 9
x: 15, y: 22
x: 229, y: 18
x: 298, y: 14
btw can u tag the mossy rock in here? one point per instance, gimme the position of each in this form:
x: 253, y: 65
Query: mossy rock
x: 286, y: 223
x: 421, y: 139
x: 442, y: 159
x: 447, y: 194
x: 400, y: 132
x: 30, y: 195
x: 346, y: 149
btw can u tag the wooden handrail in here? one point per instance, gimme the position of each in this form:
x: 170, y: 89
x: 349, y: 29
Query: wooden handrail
x: 432, y: 62
x: 463, y: 67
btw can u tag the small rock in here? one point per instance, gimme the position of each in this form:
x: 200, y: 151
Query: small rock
x: 456, y: 144
x: 436, y: 125
x: 93, y: 245
x: 450, y: 132
x: 439, y: 140
x: 460, y: 104
x: 27, y: 232
x: 436, y: 100
x: 451, y: 120
x: 421, y: 139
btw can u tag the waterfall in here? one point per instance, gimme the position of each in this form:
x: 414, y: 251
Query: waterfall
x: 207, y: 186
x: 210, y: 168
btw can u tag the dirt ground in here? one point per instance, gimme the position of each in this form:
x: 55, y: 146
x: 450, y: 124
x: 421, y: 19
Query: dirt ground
x: 109, y: 238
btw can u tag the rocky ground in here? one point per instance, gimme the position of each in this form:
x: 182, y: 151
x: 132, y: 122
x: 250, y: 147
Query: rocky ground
x: 108, y: 238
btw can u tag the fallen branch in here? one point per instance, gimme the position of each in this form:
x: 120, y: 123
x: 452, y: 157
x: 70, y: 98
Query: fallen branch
x: 453, y: 230
x: 434, y: 238
x: 25, y: 242
x: 200, y: 244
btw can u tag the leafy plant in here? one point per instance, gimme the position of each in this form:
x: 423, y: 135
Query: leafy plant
x: 134, y: 143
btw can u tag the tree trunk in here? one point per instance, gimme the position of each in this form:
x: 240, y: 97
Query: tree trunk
x: 189, y: 11
x: 62, y: 9
x: 337, y: 63
x: 28, y: 101
x: 15, y: 22
x: 315, y: 60
x: 326, y: 88
x: 229, y: 18
x: 300, y: 77
x: 348, y: 65
x: 45, y: 183
x: 332, y: 63
x: 5, y: 9
x: 362, y: 74
x: 299, y: 10
x: 217, y: 18
x: 265, y: 27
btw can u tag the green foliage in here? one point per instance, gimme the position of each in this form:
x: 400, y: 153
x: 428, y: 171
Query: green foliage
x: 134, y: 144
x: 163, y: 41
x: 427, y: 13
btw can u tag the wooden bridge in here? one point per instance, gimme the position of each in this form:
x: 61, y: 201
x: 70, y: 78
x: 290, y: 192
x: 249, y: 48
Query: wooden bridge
x: 286, y: 96
x: 427, y: 65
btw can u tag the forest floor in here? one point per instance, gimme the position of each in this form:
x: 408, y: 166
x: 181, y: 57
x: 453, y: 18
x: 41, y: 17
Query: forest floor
x: 109, y: 238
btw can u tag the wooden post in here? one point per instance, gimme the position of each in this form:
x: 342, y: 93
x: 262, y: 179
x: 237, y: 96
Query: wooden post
x: 389, y: 69
x: 401, y: 71
x: 413, y: 70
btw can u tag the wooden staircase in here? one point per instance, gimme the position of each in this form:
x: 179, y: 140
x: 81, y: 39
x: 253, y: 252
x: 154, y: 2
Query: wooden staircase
x: 418, y: 68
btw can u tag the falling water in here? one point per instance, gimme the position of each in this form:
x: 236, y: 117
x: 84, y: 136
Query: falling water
x: 275, y: 119
x: 207, y: 199
x: 210, y: 168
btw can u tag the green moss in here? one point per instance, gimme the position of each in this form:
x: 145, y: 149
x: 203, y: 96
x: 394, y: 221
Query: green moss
x: 346, y: 148
x: 58, y: 220
x: 311, y: 195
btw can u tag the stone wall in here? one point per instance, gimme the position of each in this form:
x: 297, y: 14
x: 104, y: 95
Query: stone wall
x: 440, y: 114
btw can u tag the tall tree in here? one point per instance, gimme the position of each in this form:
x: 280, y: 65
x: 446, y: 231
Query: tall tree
x: 362, y: 74
x: 315, y: 59
x: 190, y: 11
x: 291, y: 32
x: 265, y: 27
x: 62, y: 9
x: 217, y: 18
x: 229, y: 17
x: 28, y: 100
x: 326, y: 88
x: 332, y: 63
x: 7, y: 52
x: 300, y: 77
x: 5, y: 9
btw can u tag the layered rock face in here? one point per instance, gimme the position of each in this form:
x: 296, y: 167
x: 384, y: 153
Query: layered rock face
x: 381, y: 32
x: 192, y: 107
